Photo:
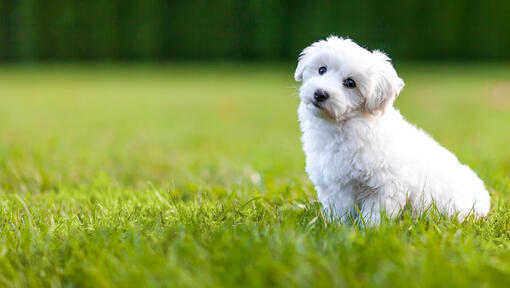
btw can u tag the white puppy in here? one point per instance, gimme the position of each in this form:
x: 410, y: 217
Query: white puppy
x: 361, y: 154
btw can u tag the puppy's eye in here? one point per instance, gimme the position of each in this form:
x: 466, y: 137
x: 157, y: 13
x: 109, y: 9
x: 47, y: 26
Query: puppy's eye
x: 349, y: 83
x: 323, y: 70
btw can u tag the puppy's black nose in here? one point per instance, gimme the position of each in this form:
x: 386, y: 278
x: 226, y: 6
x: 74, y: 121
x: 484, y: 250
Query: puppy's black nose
x: 320, y: 95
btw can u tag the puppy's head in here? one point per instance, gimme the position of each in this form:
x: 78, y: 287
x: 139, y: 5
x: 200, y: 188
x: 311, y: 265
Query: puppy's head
x: 342, y: 80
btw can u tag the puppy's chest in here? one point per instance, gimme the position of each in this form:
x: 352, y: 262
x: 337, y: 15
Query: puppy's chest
x: 332, y: 158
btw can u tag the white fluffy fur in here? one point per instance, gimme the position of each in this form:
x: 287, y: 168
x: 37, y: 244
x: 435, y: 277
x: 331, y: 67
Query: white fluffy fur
x: 362, y: 154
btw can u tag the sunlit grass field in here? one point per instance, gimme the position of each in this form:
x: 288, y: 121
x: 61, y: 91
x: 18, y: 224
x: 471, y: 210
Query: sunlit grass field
x: 193, y: 176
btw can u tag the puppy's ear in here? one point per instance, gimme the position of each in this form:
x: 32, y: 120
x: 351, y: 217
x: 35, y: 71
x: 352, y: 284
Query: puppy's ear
x: 303, y: 60
x: 385, y: 87
x: 298, y: 75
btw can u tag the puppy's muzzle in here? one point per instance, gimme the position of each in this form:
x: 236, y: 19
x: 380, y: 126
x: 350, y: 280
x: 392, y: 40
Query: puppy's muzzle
x: 319, y: 96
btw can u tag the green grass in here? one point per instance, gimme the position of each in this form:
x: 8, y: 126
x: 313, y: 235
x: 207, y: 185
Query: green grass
x: 193, y: 176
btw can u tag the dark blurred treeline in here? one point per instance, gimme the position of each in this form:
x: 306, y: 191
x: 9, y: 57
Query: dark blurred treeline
x: 159, y: 30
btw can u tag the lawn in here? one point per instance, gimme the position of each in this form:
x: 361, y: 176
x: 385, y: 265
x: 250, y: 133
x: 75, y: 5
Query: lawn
x: 193, y: 176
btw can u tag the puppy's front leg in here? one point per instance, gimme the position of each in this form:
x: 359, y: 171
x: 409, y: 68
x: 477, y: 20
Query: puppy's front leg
x: 338, y: 208
x: 374, y: 207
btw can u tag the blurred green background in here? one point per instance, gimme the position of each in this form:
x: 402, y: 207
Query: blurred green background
x: 158, y: 30
x: 160, y: 164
